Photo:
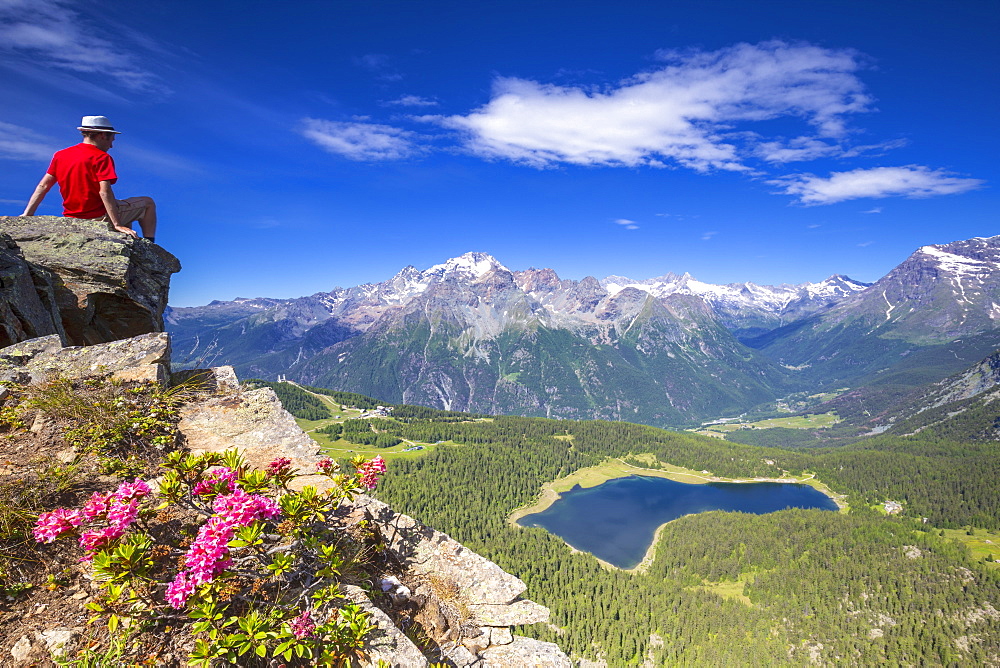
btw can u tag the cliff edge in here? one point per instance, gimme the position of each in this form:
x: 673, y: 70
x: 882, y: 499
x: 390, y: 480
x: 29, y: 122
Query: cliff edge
x: 79, y: 280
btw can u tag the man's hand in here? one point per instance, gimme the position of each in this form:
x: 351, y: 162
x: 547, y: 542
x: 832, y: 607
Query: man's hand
x: 127, y: 230
x: 111, y: 206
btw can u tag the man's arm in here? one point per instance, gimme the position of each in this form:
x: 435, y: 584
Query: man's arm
x: 41, y: 190
x: 111, y: 206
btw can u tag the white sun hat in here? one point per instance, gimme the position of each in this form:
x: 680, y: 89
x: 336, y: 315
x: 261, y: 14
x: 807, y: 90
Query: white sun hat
x: 97, y: 124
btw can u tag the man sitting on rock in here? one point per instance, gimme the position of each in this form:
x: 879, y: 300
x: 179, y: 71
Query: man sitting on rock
x: 85, y: 174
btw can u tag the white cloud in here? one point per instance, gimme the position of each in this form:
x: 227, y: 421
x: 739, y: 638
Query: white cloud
x: 49, y: 31
x: 412, y: 101
x: 627, y: 224
x: 911, y: 181
x: 359, y: 141
x: 798, y: 149
x: 18, y: 143
x: 877, y: 209
x: 707, y: 236
x: 682, y: 113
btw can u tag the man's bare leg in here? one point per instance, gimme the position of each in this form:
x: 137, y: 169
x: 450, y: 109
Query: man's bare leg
x: 147, y: 221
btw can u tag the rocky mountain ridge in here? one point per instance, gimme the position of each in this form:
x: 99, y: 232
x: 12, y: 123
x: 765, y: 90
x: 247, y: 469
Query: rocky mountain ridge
x: 470, y: 334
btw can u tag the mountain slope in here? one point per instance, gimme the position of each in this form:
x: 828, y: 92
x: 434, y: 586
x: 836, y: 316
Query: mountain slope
x: 564, y: 349
x: 935, y: 313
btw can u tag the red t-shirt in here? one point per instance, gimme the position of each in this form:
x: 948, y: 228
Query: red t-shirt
x: 79, y: 170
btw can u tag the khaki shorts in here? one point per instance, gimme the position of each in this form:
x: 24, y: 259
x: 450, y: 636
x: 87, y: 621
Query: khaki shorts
x: 130, y: 209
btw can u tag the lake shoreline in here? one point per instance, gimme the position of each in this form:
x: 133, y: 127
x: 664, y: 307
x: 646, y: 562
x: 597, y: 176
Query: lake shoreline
x: 616, y: 468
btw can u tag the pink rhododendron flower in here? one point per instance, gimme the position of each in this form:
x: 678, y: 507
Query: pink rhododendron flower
x: 128, y: 491
x: 179, y: 591
x: 303, y: 625
x: 370, y: 472
x: 243, y: 508
x: 206, y: 559
x: 97, y: 538
x: 325, y: 465
x: 212, y: 483
x: 52, y: 524
x: 97, y: 505
x: 123, y: 514
x: 278, y: 466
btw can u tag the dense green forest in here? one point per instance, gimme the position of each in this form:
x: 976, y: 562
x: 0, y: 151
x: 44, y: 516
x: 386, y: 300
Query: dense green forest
x: 861, y: 588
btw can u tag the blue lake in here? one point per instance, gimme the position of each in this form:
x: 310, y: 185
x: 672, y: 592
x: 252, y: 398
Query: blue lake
x: 617, y: 520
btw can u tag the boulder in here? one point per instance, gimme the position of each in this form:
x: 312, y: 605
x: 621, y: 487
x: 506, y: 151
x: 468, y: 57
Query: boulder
x: 26, y: 310
x: 104, y: 285
x: 525, y: 653
x: 144, y: 357
x: 252, y: 421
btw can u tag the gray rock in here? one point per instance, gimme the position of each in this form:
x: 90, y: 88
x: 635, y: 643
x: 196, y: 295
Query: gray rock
x: 138, y: 358
x: 105, y: 285
x: 428, y: 552
x: 461, y: 656
x: 388, y: 643
x: 252, y: 421
x: 60, y: 641
x: 23, y: 312
x: 512, y: 614
x: 220, y: 379
x: 525, y: 653
x: 501, y: 636
x: 21, y: 650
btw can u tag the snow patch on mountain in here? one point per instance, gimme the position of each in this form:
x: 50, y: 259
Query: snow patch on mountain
x: 768, y: 298
x: 958, y: 264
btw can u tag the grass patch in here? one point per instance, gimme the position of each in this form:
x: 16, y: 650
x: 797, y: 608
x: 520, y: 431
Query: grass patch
x: 811, y: 421
x: 981, y: 545
x: 733, y: 591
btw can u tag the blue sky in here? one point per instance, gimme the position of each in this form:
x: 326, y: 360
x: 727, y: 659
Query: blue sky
x: 296, y: 146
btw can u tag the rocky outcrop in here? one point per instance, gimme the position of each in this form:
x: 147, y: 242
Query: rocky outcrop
x: 92, y: 285
x: 26, y: 310
x: 466, y: 604
x: 145, y: 357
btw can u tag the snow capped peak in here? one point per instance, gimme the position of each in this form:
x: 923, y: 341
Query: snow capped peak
x: 472, y: 263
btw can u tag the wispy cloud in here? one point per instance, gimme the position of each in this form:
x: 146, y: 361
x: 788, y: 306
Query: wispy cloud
x: 380, y: 64
x: 795, y: 150
x: 799, y: 149
x: 913, y: 181
x: 626, y: 223
x: 865, y: 244
x: 877, y: 209
x: 412, y: 101
x: 18, y: 143
x: 707, y: 236
x: 359, y: 141
x: 683, y: 113
x: 50, y: 31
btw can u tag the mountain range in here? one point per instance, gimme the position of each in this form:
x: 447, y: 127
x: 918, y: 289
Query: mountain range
x: 470, y: 334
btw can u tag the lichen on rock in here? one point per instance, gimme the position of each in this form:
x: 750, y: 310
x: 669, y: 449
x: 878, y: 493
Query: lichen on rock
x: 102, y: 284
